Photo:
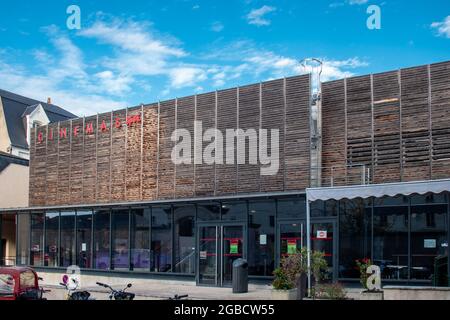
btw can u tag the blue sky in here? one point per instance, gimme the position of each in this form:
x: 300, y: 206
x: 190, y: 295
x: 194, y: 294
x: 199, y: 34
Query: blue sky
x: 132, y: 52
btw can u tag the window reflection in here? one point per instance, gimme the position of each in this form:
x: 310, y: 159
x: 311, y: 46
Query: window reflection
x: 208, y: 211
x: 84, y: 234
x: 120, y: 224
x: 23, y: 239
x: 390, y: 241
x: 184, y: 245
x: 292, y: 208
x: 101, y: 239
x: 67, y: 252
x: 140, y: 239
x: 321, y: 208
x: 51, y: 238
x: 354, y: 235
x: 261, y: 235
x: 428, y: 239
x: 37, y: 239
x: 161, y: 239
x: 234, y: 211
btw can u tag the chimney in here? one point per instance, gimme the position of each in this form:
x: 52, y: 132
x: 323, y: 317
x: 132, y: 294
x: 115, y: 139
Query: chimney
x: 49, y: 100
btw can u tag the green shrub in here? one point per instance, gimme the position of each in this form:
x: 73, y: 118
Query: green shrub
x: 333, y: 291
x: 292, y: 266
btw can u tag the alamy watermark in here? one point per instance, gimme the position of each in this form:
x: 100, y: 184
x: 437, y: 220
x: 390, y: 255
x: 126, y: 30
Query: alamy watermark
x: 229, y: 149
x: 374, y: 20
x: 74, y: 20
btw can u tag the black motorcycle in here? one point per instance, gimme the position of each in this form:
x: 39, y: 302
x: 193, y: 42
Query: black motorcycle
x: 118, y: 294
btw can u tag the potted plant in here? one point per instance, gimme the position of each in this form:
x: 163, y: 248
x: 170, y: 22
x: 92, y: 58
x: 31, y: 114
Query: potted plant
x: 292, y: 273
x: 367, y: 294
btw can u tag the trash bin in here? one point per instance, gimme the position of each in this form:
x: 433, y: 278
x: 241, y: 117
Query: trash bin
x: 240, y: 276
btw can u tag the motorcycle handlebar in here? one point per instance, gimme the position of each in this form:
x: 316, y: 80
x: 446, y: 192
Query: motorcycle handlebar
x: 102, y: 284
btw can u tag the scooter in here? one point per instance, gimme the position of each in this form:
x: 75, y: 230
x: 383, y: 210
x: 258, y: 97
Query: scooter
x: 71, y: 293
x: 118, y: 294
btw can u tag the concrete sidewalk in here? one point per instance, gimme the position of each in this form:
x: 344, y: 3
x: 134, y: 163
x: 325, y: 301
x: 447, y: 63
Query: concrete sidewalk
x: 163, y: 291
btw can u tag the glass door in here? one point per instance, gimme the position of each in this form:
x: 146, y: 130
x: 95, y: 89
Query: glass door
x: 232, y: 249
x: 291, y: 237
x: 218, y: 246
x: 208, y: 255
x: 322, y: 239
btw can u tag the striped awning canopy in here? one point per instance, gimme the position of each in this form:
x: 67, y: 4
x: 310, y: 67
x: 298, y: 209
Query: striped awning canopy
x: 378, y: 190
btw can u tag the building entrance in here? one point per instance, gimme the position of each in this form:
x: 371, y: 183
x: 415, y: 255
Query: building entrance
x: 218, y: 246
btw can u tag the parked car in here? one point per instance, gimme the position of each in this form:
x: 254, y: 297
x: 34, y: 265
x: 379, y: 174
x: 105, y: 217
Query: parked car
x: 19, y: 283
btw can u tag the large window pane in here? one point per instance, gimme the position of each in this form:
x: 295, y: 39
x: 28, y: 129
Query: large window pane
x: 184, y: 245
x: 390, y: 241
x: 428, y: 239
x: 51, y: 238
x: 84, y: 238
x: 161, y: 239
x: 101, y: 239
x: 234, y: 211
x: 68, y: 251
x: 8, y: 239
x: 208, y: 211
x: 140, y: 239
x: 37, y: 239
x: 327, y: 208
x: 23, y: 238
x: 354, y: 235
x: 120, y: 224
x: 292, y: 209
x: 261, y: 235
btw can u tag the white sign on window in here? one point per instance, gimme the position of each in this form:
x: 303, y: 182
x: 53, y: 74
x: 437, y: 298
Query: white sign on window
x: 83, y: 247
x: 263, y: 239
x: 322, y: 234
x: 429, y: 243
x: 203, y: 255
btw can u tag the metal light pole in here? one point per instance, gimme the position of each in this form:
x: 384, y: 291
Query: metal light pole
x: 308, y: 242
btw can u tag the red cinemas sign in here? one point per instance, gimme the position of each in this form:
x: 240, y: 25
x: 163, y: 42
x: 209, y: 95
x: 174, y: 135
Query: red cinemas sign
x: 89, y: 128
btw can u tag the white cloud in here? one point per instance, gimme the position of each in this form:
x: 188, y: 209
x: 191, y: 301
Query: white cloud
x: 186, y: 76
x: 115, y: 85
x: 129, y: 36
x: 443, y: 27
x: 138, y: 51
x: 217, y: 26
x: 339, y: 69
x: 247, y: 60
x: 257, y: 16
x: 20, y: 80
x: 136, y: 57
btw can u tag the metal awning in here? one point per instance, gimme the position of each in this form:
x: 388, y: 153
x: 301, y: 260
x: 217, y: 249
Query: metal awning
x: 366, y: 191
x: 378, y: 190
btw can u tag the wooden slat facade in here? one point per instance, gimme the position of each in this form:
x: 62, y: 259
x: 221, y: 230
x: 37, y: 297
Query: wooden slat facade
x: 206, y: 107
x: 297, y: 133
x: 103, y: 190
x: 227, y: 112
x: 64, y: 153
x: 76, y: 162
x: 112, y: 161
x: 396, y: 123
x: 249, y: 122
